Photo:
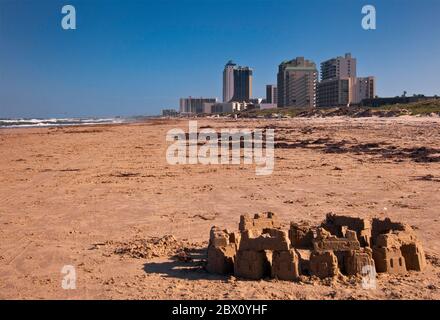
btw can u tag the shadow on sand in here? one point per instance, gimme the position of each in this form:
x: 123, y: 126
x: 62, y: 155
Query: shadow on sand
x: 191, y: 270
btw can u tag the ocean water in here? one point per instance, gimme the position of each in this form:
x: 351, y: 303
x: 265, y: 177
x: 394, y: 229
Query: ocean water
x: 30, y: 123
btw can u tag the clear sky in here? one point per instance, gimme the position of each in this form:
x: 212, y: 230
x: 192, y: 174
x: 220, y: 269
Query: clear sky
x: 137, y: 57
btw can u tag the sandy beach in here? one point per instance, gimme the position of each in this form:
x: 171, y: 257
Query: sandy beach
x: 102, y: 198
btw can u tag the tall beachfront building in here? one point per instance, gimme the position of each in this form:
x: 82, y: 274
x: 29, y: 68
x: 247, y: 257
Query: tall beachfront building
x: 339, y: 85
x: 228, y: 81
x: 237, y: 83
x: 271, y: 94
x: 296, y: 83
x: 338, y: 81
x: 365, y: 88
x: 339, y: 67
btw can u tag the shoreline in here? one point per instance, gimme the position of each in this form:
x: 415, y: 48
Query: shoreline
x: 414, y: 118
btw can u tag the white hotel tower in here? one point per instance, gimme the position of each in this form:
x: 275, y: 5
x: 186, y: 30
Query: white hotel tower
x: 228, y: 81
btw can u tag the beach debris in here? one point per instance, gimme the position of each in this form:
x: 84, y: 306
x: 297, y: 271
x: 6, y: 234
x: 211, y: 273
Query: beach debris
x: 341, y: 245
x: 150, y: 248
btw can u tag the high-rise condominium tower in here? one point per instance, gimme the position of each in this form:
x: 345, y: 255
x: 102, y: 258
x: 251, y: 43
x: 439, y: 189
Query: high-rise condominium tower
x: 228, y: 81
x: 271, y: 94
x: 365, y: 88
x: 237, y: 83
x: 338, y: 68
x: 339, y: 85
x: 297, y: 83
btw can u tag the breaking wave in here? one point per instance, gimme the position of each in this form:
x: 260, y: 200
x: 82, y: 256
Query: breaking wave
x: 24, y: 123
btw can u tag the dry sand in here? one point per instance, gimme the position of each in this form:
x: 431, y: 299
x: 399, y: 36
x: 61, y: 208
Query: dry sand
x: 96, y: 197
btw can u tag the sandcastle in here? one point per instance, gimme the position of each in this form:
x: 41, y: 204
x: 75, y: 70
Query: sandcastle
x: 341, y: 244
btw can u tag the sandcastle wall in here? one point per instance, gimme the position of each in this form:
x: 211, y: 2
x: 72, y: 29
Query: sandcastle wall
x: 341, y: 244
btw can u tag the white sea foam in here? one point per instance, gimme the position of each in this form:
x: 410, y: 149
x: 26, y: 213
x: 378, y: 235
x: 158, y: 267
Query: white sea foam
x: 29, y: 123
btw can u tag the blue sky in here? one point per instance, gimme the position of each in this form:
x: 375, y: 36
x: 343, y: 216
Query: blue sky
x: 137, y: 57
